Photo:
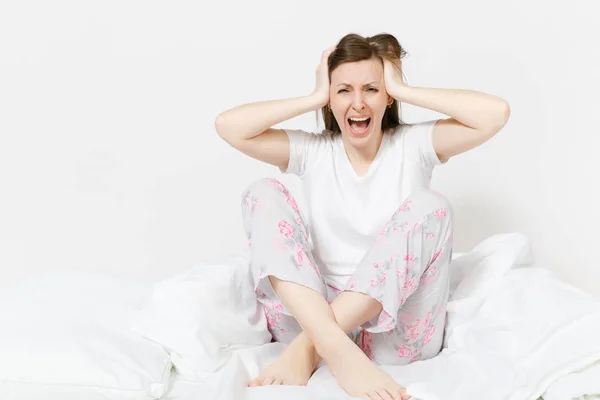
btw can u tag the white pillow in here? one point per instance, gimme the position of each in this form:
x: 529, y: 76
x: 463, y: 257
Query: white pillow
x: 477, y: 274
x: 204, y: 314
x: 66, y: 335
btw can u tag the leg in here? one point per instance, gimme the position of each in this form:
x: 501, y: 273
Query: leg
x: 407, y: 272
x: 304, y: 300
x: 354, y: 371
x: 278, y: 241
x: 279, y: 247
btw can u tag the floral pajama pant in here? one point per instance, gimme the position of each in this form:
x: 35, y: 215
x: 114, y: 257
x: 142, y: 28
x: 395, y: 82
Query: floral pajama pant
x: 405, y: 269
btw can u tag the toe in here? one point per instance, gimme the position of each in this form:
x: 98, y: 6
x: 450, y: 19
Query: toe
x: 374, y: 396
x: 255, y: 382
x: 384, y: 394
x: 405, y: 396
x: 277, y: 382
x: 398, y: 393
x: 268, y: 381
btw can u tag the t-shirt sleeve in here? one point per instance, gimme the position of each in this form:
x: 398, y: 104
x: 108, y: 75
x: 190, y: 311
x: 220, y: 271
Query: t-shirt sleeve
x: 305, y: 149
x: 419, y: 138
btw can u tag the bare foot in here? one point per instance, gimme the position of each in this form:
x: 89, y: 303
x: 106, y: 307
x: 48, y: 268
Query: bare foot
x: 293, y: 367
x: 359, y: 377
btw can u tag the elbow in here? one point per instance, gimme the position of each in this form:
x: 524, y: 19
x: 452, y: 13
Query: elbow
x: 219, y: 125
x: 504, y: 114
x: 500, y: 117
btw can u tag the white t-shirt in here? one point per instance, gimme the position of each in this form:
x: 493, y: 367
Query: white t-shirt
x: 346, y: 211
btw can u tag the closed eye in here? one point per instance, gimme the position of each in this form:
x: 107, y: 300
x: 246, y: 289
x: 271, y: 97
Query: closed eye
x: 344, y: 90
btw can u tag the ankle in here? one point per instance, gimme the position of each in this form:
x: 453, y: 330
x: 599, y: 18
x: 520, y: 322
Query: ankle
x: 308, y: 346
x: 328, y: 344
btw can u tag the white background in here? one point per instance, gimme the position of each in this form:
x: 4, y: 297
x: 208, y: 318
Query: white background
x: 109, y: 159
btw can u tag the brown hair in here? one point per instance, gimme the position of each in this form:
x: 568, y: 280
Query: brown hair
x: 354, y: 47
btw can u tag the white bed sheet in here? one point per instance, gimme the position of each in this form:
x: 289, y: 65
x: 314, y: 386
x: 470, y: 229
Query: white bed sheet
x: 531, y: 333
x: 464, y: 378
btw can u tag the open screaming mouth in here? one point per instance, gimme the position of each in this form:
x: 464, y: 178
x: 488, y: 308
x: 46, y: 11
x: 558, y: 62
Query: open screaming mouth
x: 359, y: 126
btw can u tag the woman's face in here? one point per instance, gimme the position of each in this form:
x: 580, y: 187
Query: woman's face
x: 357, y: 91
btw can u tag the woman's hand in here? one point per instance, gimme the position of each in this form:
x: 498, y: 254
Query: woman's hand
x: 392, y: 77
x: 321, y: 92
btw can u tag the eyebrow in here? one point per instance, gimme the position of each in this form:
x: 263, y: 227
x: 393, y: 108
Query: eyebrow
x: 366, y: 84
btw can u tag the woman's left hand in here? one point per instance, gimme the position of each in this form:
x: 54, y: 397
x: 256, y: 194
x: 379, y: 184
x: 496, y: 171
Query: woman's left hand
x: 392, y: 76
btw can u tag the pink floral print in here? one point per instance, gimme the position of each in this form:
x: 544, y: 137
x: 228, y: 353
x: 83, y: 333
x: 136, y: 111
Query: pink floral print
x: 395, y: 271
x: 410, y: 285
x: 405, y: 206
x: 429, y: 334
x: 278, y: 184
x: 288, y: 197
x: 386, y: 320
x: 286, y: 229
x: 299, y: 254
x: 436, y: 255
x: 404, y: 351
x: 351, y: 284
x: 429, y: 276
x: 291, y: 201
x: 273, y: 315
x: 440, y: 213
x: 410, y: 261
x: 366, y: 340
x: 414, y: 331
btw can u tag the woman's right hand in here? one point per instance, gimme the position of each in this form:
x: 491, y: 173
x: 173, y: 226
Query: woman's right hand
x: 321, y: 92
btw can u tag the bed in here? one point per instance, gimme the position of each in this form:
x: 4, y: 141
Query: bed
x: 514, y: 331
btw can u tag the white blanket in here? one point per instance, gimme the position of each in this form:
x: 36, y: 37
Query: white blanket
x: 514, y: 332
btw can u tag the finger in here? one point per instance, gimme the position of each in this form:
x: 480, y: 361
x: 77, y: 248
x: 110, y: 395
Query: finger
x: 328, y: 51
x: 393, y: 61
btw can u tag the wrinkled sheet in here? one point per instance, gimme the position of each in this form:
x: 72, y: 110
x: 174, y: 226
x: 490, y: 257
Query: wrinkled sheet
x: 514, y: 332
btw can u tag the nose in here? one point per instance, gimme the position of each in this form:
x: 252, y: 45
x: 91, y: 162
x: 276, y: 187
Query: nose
x: 357, y: 101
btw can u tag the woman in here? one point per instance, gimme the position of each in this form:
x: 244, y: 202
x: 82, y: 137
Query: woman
x: 364, y: 281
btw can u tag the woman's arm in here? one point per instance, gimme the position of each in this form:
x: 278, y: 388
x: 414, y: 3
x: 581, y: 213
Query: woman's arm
x: 477, y: 110
x: 249, y: 120
x: 475, y: 116
x: 248, y: 127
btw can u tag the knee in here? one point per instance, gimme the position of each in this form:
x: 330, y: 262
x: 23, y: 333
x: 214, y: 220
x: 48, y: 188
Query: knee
x: 262, y: 186
x: 434, y: 197
x: 428, y: 201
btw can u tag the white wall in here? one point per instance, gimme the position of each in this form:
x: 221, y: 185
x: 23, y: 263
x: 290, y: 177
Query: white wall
x: 109, y: 158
